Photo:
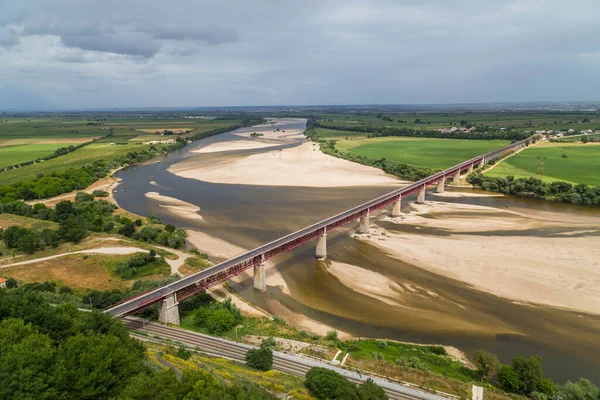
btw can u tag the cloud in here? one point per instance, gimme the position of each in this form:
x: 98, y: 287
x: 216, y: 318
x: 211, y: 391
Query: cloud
x: 84, y: 53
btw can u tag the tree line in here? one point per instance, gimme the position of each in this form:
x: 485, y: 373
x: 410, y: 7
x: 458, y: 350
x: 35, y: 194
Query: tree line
x: 556, y: 191
x: 381, y: 131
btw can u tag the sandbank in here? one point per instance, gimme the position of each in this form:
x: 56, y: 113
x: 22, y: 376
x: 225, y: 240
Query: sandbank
x: 303, y: 165
x: 178, y: 207
x: 556, y: 270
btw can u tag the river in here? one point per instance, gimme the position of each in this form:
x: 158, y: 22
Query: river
x: 249, y: 215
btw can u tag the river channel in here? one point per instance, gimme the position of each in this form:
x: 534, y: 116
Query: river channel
x: 250, y: 215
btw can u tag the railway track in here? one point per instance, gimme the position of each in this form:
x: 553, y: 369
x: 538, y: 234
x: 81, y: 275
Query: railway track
x: 291, y: 364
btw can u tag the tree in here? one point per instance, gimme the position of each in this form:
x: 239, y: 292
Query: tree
x: 220, y: 321
x: 585, y: 139
x: 370, y: 391
x: 486, y: 363
x: 581, y: 390
x: 72, y: 229
x: 324, y: 384
x: 11, y: 283
x: 508, y: 379
x: 260, y: 359
x: 530, y: 373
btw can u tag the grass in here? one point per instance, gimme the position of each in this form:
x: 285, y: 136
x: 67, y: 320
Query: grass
x: 15, y: 154
x: 76, y: 159
x: 75, y: 271
x: 193, y: 265
x: 581, y: 165
x: 394, y: 352
x: 7, y: 220
x: 421, y: 152
x: 231, y: 371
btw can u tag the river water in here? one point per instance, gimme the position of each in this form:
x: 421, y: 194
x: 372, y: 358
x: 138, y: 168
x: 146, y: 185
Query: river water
x: 247, y: 216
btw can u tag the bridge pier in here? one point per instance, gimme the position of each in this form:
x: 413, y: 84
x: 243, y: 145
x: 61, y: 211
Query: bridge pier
x: 470, y: 170
x: 421, y: 196
x: 321, y: 252
x: 456, y: 178
x: 482, y: 163
x: 440, y: 185
x: 260, y: 278
x: 364, y: 224
x: 168, y: 310
x: 396, y: 208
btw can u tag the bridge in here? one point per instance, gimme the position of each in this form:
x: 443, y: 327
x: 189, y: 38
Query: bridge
x: 168, y: 296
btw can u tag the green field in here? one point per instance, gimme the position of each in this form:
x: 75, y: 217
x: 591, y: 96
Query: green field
x: 11, y: 155
x: 581, y: 165
x: 78, y: 158
x: 421, y: 152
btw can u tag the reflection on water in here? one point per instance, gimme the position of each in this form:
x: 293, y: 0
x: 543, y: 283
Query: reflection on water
x: 454, y: 314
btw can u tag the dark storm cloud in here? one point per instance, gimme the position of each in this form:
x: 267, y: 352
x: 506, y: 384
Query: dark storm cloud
x: 240, y: 52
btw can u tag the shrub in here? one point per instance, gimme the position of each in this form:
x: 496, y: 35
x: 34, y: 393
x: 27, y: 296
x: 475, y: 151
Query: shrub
x: 220, y: 321
x: 183, y: 353
x: 378, y: 356
x: 382, y: 344
x: 486, y: 363
x: 439, y: 350
x: 138, y: 222
x: 324, y: 383
x: 100, y: 193
x: 260, y: 359
x: 268, y: 343
x: 508, y: 379
x: 413, y: 362
x: 332, y: 335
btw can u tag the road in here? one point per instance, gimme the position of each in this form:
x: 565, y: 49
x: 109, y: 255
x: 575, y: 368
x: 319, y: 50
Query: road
x: 292, y: 364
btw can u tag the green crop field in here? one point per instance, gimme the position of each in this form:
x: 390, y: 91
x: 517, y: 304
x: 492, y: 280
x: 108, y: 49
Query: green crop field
x: 78, y: 158
x: 10, y: 155
x: 581, y: 165
x: 421, y: 152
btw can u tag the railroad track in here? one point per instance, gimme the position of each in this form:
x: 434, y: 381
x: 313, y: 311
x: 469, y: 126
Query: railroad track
x: 291, y: 364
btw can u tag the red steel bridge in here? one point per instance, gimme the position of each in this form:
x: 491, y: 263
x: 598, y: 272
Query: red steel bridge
x: 255, y: 258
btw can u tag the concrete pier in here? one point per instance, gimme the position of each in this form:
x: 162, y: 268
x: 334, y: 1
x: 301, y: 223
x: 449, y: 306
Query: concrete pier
x: 482, y: 163
x: 396, y: 208
x: 260, y: 279
x: 456, y: 178
x: 364, y: 224
x: 168, y: 310
x: 321, y: 252
x: 470, y: 170
x: 440, y: 186
x: 421, y: 196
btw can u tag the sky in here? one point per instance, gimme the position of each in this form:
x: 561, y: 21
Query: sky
x: 77, y: 54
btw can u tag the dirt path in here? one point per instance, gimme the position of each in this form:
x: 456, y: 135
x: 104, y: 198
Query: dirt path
x: 174, y: 264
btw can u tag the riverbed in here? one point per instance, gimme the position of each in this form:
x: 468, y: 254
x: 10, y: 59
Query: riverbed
x: 369, y: 286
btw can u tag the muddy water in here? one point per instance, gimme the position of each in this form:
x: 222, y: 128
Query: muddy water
x: 441, y: 310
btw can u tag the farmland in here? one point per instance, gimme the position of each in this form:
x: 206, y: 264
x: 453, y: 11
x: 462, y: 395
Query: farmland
x: 421, y: 152
x: 536, y: 120
x: 580, y: 165
x: 28, y: 138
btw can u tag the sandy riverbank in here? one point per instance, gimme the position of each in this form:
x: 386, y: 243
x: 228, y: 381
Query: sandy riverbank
x: 302, y: 165
x: 491, y: 250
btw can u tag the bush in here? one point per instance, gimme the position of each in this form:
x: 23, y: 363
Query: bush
x: 439, y: 350
x: 332, y: 335
x: 183, y: 353
x: 220, y: 321
x: 413, y: 362
x: 324, y: 384
x: 382, y: 344
x: 260, y: 359
x: 100, y: 193
x: 486, y: 363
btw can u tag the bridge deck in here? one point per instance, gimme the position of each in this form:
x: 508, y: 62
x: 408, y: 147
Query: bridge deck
x: 195, y: 283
